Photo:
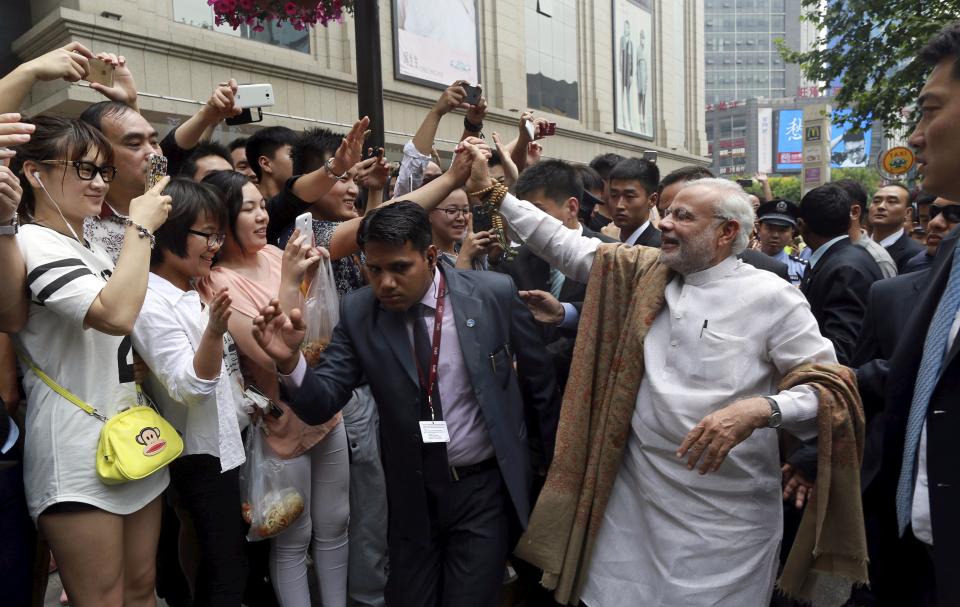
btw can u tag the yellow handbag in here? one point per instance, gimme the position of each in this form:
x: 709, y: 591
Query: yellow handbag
x: 134, y: 443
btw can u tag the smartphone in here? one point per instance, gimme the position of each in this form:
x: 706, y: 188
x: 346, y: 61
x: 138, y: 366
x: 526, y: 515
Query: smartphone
x: 650, y: 156
x: 473, y: 94
x: 531, y: 132
x: 549, y: 128
x: 745, y: 183
x: 304, y: 223
x: 481, y: 219
x: 156, y: 170
x: 100, y: 72
x: 254, y: 95
x: 245, y: 117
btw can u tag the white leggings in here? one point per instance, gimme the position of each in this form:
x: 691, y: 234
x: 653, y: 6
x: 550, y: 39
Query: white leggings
x: 325, y: 520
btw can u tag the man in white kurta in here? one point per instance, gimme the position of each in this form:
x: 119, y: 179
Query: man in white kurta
x: 670, y: 535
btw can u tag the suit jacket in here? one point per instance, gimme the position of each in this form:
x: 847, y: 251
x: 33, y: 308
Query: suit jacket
x: 889, y: 304
x: 762, y: 261
x: 529, y: 272
x: 837, y: 289
x: 370, y: 337
x: 943, y: 428
x: 903, y: 249
x: 648, y: 238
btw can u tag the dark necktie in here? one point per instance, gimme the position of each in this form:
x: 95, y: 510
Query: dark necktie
x: 436, y: 471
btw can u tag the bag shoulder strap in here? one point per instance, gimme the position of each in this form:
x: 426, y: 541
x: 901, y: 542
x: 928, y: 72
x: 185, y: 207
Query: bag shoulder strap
x: 66, y: 394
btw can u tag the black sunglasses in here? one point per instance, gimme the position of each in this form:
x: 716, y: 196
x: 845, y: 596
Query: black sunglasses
x: 951, y: 212
x: 87, y: 171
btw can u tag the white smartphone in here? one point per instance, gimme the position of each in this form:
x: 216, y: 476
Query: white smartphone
x: 531, y: 132
x: 254, y: 95
x: 304, y: 223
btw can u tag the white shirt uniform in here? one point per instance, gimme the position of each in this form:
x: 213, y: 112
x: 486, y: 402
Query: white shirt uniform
x: 208, y: 412
x: 64, y: 278
x: 670, y: 536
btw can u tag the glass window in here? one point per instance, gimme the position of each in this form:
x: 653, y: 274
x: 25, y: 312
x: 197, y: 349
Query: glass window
x: 552, y: 80
x: 199, y: 14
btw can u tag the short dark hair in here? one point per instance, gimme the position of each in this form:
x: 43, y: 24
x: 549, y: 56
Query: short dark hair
x: 559, y: 181
x: 55, y: 139
x: 637, y: 169
x: 826, y: 210
x: 398, y: 224
x: 190, y: 201
x: 896, y: 184
x: 266, y: 142
x: 604, y: 163
x: 202, y: 150
x: 853, y: 135
x: 95, y: 113
x: 945, y: 44
x: 312, y: 148
x: 592, y: 181
x: 684, y: 174
x: 239, y: 142
x: 855, y: 190
x: 228, y: 186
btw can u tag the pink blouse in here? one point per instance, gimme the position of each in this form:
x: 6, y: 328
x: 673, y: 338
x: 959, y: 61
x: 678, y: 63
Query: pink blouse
x: 288, y: 436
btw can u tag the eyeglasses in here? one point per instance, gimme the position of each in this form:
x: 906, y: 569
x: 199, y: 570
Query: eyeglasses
x: 682, y: 215
x: 213, y: 240
x: 951, y: 212
x: 87, y: 171
x: 454, y: 213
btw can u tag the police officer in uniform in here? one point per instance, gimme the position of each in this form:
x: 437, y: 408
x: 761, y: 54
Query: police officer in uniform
x: 778, y: 226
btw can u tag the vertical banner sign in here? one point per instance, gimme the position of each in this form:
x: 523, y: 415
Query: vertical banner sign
x: 765, y: 140
x: 816, y: 147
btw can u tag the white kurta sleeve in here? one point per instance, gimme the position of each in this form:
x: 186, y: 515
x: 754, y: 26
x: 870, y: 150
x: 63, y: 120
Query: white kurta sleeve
x: 795, y: 339
x: 549, y: 239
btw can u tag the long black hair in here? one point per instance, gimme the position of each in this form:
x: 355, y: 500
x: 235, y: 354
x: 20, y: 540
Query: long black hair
x: 229, y: 187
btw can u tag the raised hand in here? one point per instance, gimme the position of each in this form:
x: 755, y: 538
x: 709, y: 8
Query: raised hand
x: 510, y: 172
x: 475, y: 244
x: 124, y: 89
x: 280, y: 336
x: 545, y: 307
x: 373, y: 172
x: 721, y: 431
x: 478, y: 112
x: 451, y: 99
x: 70, y: 62
x: 10, y: 193
x: 219, y: 313
x: 351, y: 148
x: 298, y: 258
x: 221, y: 104
x: 13, y: 133
x: 479, y: 171
x: 151, y: 209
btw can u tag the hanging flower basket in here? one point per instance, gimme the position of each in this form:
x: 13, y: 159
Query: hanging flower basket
x: 301, y: 14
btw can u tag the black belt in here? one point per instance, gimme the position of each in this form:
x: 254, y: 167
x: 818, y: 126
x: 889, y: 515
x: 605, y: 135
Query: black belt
x: 460, y: 472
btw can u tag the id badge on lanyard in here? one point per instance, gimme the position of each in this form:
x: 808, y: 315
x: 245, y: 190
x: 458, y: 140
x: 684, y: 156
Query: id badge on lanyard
x: 434, y: 430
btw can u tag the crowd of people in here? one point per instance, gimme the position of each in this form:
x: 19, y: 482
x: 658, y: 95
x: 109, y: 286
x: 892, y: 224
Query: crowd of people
x: 594, y: 385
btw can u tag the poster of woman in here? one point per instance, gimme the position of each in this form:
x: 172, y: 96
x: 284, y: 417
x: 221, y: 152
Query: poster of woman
x: 633, y: 67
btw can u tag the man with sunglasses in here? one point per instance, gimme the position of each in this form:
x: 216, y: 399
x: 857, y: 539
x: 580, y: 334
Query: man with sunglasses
x: 944, y: 215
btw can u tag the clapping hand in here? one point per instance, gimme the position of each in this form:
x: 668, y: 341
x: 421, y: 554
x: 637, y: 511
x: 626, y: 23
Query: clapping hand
x: 280, y: 336
x: 219, y: 313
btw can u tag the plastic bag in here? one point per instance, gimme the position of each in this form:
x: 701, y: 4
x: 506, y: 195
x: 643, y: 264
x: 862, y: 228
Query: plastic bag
x: 321, y: 312
x: 272, y: 499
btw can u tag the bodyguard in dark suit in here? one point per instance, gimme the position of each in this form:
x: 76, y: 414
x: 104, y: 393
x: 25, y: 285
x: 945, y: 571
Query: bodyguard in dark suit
x: 840, y: 274
x: 890, y: 209
x: 452, y: 427
x: 917, y: 488
x: 633, y: 192
x: 889, y: 304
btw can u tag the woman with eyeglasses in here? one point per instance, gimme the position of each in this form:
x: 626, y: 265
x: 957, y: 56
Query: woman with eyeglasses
x: 453, y: 234
x: 82, y: 310
x: 195, y: 379
x: 255, y: 273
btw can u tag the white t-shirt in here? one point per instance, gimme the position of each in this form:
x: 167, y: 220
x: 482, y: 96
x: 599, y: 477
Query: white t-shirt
x: 63, y: 279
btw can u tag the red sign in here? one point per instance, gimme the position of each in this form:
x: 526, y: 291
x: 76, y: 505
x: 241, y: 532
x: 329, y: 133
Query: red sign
x: 790, y: 157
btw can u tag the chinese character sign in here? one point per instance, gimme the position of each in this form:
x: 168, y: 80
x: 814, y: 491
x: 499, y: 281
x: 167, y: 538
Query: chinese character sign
x: 847, y: 147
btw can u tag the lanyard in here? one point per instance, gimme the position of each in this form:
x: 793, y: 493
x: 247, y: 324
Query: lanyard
x: 435, y: 347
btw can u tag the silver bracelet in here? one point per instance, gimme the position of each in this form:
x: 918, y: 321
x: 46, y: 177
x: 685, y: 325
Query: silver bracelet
x: 142, y: 232
x: 328, y: 165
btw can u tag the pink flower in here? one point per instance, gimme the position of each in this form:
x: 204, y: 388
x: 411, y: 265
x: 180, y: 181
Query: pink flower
x: 291, y: 8
x: 246, y: 4
x: 258, y: 28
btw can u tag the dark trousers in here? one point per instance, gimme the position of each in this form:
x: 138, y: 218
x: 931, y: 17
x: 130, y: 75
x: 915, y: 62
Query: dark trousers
x: 212, y: 500
x: 462, y: 563
x: 17, y: 537
x: 904, y: 575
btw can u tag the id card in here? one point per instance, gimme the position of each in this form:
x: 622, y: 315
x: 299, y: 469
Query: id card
x: 434, y: 432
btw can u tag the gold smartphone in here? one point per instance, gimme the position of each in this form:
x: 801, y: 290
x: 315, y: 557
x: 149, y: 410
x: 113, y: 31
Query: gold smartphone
x: 156, y: 170
x: 100, y: 72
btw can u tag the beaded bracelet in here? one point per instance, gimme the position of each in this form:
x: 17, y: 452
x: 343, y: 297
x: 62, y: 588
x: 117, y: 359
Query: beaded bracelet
x: 142, y: 232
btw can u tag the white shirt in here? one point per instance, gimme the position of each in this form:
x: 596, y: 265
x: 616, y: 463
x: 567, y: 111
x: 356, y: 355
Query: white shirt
x: 632, y: 239
x: 206, y: 411
x: 60, y: 450
x: 920, y: 511
x: 670, y: 536
x: 889, y: 240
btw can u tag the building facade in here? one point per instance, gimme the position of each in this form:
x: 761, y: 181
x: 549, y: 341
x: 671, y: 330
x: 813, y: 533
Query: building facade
x: 741, y: 56
x: 556, y: 57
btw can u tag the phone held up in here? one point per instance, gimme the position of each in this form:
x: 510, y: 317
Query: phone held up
x: 473, y: 93
x: 100, y: 72
x: 745, y: 183
x: 156, y: 170
x: 251, y: 98
x: 304, y: 223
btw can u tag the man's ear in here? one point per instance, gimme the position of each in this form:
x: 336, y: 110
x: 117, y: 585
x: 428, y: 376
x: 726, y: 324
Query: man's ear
x: 573, y: 206
x: 265, y: 166
x: 855, y: 212
x: 653, y: 199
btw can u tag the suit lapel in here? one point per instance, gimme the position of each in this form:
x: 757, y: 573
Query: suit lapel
x: 468, y: 316
x: 393, y: 327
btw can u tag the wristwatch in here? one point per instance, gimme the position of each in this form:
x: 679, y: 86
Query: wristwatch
x: 776, y: 418
x: 12, y: 228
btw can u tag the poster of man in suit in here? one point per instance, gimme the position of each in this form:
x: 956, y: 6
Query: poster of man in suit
x: 633, y: 60
x: 435, y: 41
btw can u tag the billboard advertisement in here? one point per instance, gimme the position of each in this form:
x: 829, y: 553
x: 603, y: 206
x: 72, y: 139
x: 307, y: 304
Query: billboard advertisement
x: 847, y: 148
x: 633, y: 67
x: 435, y: 42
